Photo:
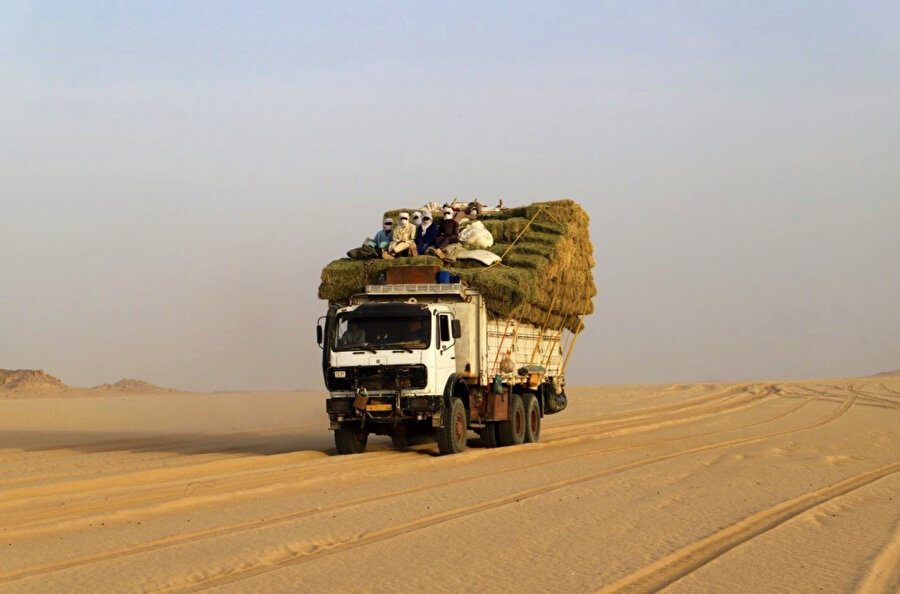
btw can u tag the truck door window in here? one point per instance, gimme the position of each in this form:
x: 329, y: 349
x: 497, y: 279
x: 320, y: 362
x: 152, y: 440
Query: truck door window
x: 445, y: 329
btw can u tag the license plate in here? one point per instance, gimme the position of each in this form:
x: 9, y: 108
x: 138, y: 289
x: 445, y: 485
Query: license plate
x: 379, y: 407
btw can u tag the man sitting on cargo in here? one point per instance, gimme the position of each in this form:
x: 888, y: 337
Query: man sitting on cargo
x: 426, y: 233
x: 403, y: 241
x: 447, y: 243
x: 372, y: 248
x: 383, y: 237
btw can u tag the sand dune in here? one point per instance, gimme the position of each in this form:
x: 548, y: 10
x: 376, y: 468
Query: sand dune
x: 750, y: 487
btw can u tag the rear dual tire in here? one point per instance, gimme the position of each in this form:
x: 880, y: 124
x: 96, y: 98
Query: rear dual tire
x: 512, y: 431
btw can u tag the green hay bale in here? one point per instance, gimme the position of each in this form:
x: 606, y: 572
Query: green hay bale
x: 524, y: 247
x: 504, y: 230
x: 504, y: 289
x: 522, y: 293
x: 517, y: 259
x: 509, y: 229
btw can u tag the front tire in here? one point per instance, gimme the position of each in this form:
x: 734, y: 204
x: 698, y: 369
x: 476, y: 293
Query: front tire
x: 350, y: 439
x: 512, y: 431
x: 451, y: 435
x: 532, y: 418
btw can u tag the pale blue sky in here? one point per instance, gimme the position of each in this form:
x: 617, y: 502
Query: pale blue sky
x: 173, y: 176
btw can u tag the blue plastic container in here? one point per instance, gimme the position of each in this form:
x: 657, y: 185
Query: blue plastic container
x: 443, y: 277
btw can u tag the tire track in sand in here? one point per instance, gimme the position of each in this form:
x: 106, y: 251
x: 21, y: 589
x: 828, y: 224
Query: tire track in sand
x: 300, y: 514
x: 884, y: 573
x: 644, y: 422
x: 223, y: 531
x: 227, y: 576
x: 672, y: 407
x: 251, y: 525
x: 146, y: 487
x: 682, y: 562
x: 160, y: 500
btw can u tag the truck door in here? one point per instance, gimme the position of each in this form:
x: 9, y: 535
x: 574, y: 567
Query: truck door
x: 445, y: 354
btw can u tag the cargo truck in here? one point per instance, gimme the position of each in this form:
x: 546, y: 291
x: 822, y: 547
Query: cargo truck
x: 405, y: 359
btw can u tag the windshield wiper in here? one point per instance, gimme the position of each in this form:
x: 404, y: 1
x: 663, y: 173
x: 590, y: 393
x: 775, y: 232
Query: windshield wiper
x: 364, y: 347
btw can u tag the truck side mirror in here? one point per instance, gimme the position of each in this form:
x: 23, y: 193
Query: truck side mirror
x: 320, y: 333
x: 456, y: 328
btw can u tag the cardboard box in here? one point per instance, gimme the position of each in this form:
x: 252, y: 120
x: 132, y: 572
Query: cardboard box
x: 412, y: 275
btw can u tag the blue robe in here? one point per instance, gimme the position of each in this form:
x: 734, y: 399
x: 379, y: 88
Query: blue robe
x: 382, y: 239
x: 426, y: 240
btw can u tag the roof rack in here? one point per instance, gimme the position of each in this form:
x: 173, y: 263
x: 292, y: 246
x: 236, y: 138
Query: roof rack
x: 431, y: 288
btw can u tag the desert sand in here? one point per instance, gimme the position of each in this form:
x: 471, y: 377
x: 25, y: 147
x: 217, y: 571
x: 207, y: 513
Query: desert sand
x: 713, y: 487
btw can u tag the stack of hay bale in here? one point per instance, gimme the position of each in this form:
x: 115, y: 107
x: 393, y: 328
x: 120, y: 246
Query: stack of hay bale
x: 544, y: 277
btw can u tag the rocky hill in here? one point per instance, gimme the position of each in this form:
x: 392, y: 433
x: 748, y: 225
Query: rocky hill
x: 36, y: 382
x: 133, y: 385
x: 29, y: 379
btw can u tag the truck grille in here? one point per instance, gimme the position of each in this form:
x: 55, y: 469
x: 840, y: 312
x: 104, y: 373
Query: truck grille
x: 378, y: 377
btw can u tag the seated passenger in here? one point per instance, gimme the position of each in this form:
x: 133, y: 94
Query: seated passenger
x: 426, y: 234
x: 373, y: 248
x: 446, y: 245
x: 383, y: 237
x: 403, y: 242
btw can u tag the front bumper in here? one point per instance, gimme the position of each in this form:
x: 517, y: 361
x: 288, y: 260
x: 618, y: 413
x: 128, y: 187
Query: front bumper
x: 382, y: 408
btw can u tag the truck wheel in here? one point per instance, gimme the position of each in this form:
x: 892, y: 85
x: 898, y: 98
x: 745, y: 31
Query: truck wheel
x: 349, y: 439
x: 451, y: 435
x: 532, y: 418
x: 489, y: 435
x: 512, y: 432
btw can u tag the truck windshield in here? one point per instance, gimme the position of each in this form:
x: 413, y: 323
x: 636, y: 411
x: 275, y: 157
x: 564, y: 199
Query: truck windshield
x: 373, y: 333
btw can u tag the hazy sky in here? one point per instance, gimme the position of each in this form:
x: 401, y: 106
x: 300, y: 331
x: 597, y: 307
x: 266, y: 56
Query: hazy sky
x: 174, y: 175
